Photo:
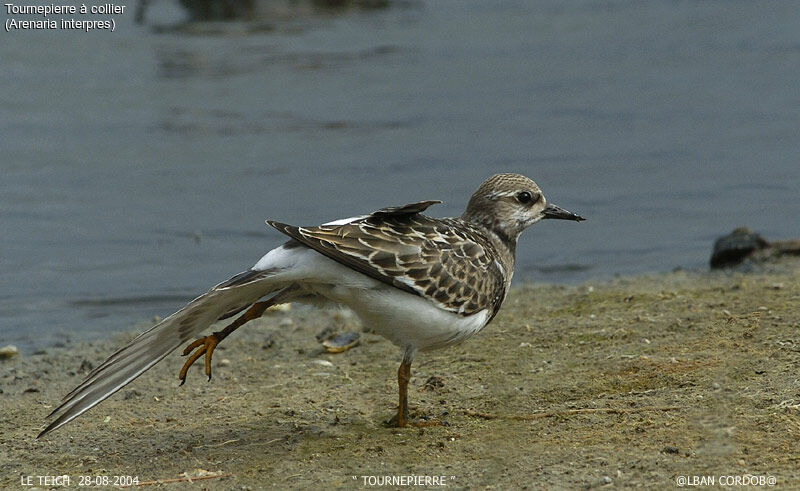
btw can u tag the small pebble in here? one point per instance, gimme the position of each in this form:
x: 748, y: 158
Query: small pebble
x: 326, y: 333
x: 224, y: 362
x: 324, y: 363
x: 9, y: 351
x: 132, y: 394
x: 341, y: 342
x: 433, y: 383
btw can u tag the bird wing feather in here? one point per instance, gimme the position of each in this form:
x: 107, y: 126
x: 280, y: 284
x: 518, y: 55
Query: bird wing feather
x: 153, y: 345
x: 425, y: 256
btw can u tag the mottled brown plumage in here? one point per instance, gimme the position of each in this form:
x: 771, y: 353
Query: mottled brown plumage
x: 447, y: 260
x: 463, y: 265
x: 447, y: 279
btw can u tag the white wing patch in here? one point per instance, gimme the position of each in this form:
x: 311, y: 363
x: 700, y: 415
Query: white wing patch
x: 344, y: 221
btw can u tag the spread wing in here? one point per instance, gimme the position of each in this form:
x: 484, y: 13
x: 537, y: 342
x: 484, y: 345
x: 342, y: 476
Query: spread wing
x: 445, y: 260
x: 150, y: 347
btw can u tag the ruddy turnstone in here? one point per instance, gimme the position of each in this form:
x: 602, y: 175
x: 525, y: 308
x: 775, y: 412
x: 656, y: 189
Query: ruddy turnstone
x: 423, y: 283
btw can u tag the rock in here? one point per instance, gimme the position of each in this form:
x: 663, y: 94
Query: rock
x: 745, y: 246
x: 132, y: 394
x: 86, y: 366
x: 735, y: 247
x: 326, y: 333
x: 340, y: 343
x: 269, y: 340
x: 9, y: 351
x: 433, y: 383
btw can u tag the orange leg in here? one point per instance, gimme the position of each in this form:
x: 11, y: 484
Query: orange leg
x: 207, y: 344
x: 403, y: 376
x: 402, y: 419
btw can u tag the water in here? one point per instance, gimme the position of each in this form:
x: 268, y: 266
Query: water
x: 138, y: 166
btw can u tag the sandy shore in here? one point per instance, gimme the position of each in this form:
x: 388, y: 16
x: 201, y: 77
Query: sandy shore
x: 632, y: 382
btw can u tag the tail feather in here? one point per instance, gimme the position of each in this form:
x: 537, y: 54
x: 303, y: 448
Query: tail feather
x: 150, y: 347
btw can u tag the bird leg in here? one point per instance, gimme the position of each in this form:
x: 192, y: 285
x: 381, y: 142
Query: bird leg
x: 207, y: 344
x: 402, y: 418
x: 403, y: 376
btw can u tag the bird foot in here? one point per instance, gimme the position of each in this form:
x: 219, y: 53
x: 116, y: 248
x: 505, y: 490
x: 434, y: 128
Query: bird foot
x: 205, y: 346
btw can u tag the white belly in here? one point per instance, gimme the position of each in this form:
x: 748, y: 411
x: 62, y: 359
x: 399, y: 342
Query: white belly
x: 407, y: 320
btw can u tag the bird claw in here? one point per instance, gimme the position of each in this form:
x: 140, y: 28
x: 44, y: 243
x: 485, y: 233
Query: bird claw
x: 204, y: 346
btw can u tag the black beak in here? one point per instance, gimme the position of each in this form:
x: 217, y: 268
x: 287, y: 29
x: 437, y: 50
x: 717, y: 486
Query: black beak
x: 553, y: 211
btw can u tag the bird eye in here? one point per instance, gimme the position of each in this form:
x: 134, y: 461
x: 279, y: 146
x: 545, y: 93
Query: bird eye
x: 524, y: 197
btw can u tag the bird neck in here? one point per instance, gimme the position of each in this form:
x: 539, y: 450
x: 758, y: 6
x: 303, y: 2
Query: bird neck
x: 503, y: 242
x: 503, y: 237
